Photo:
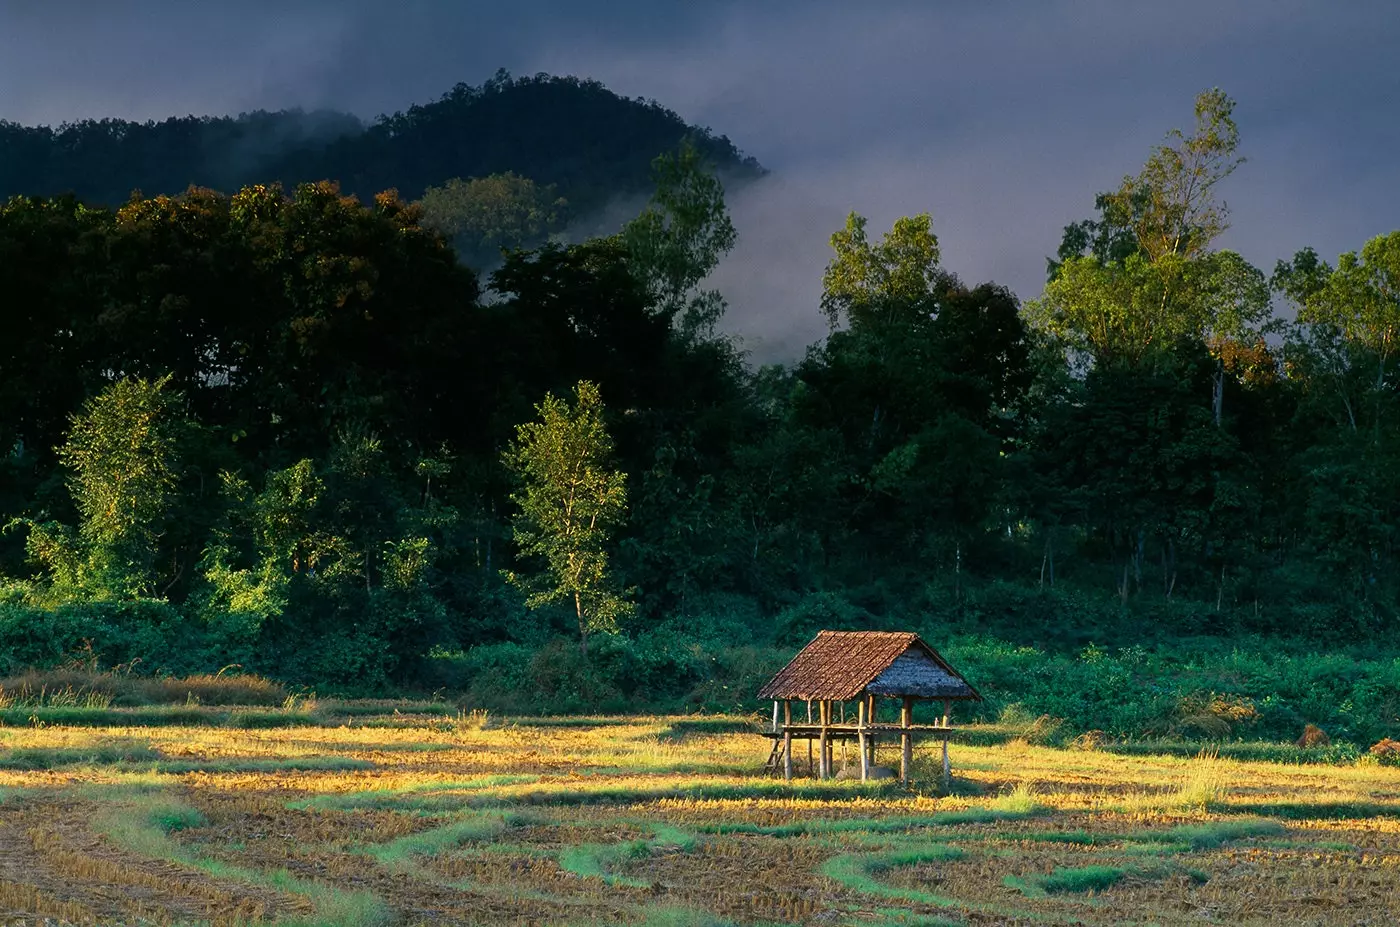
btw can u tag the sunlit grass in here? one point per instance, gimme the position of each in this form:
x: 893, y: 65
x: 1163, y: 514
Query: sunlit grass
x: 671, y: 821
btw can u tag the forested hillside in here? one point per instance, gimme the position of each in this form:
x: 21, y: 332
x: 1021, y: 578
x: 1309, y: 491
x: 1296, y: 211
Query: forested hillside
x: 291, y: 430
x: 573, y: 136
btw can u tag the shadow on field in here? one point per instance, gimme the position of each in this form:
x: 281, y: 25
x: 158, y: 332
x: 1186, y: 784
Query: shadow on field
x: 1307, y: 810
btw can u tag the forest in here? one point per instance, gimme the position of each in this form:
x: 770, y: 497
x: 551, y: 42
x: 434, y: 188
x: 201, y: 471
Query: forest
x: 349, y: 406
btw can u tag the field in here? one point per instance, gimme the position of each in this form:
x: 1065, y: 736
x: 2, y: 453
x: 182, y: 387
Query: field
x: 378, y: 813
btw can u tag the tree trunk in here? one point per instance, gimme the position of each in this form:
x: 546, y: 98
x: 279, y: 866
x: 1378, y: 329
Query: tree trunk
x: 582, y: 628
x: 1047, y: 561
x: 1218, y: 390
x: 1168, y: 568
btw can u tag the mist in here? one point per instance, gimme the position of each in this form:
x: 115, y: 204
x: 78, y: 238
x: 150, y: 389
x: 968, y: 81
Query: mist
x: 1002, y: 120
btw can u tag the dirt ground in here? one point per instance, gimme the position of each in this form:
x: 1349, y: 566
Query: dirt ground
x: 392, y: 818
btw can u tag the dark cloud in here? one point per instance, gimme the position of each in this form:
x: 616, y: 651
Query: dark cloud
x: 1002, y: 119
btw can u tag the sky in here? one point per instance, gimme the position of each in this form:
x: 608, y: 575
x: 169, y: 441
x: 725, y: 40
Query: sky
x: 1001, y: 119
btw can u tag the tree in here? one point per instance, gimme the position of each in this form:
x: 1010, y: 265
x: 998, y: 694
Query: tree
x: 1171, y: 202
x: 123, y: 457
x: 894, y: 280
x: 485, y: 215
x: 679, y: 238
x: 570, y: 502
x: 1361, y: 298
x: 1133, y: 284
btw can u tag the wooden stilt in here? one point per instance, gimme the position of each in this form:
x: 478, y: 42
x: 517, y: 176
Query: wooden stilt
x: 811, y: 769
x: 947, y: 770
x: 825, y: 743
x: 787, y: 736
x: 870, y: 746
x: 864, y: 757
x: 843, y: 740
x: 906, y: 740
x: 775, y: 716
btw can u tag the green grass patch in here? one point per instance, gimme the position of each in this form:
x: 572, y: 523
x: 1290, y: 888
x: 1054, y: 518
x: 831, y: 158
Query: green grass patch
x: 141, y: 819
x: 477, y: 827
x: 670, y: 916
x: 1209, y: 836
x: 860, y: 872
x: 597, y: 860
x: 1063, y: 880
x: 871, y: 825
x: 376, y: 707
x: 101, y: 753
x: 1245, y: 751
x: 422, y: 798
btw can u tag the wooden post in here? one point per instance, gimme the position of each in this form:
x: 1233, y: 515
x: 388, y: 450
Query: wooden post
x: 906, y: 740
x: 787, y: 754
x: 864, y: 758
x: 870, y: 714
x: 787, y: 735
x: 947, y: 770
x: 775, y: 716
x: 825, y: 712
x: 842, y: 717
x: 811, y: 769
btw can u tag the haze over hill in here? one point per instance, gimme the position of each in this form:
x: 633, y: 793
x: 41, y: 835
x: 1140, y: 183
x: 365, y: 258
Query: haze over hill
x: 588, y: 143
x: 1001, y: 119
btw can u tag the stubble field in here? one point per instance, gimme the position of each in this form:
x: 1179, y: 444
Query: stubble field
x: 380, y: 814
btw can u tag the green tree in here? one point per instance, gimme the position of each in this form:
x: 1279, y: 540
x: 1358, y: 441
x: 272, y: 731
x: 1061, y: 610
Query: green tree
x: 485, y: 215
x: 570, y: 501
x: 1361, y: 299
x: 1122, y: 304
x: 884, y: 282
x: 679, y: 238
x: 123, y: 457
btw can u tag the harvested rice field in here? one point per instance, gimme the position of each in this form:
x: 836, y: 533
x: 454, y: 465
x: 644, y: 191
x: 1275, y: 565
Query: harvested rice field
x: 393, y: 815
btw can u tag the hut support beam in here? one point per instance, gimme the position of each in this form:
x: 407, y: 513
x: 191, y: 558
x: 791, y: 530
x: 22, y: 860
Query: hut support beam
x: 811, y: 766
x: 787, y: 737
x: 947, y: 769
x: 824, y: 745
x: 906, y: 740
x: 873, y: 739
x: 864, y: 757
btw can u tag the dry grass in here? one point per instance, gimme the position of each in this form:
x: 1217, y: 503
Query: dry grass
x: 417, y: 816
x: 82, y: 686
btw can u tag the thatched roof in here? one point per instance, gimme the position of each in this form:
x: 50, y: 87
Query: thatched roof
x: 840, y: 665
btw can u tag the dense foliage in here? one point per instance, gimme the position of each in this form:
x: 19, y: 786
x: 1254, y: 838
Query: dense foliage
x: 576, y: 135
x: 293, y: 431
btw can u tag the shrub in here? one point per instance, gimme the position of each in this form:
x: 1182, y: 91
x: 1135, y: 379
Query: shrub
x: 1314, y: 736
x: 1386, y: 751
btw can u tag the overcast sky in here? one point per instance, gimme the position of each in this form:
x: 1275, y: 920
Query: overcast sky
x: 1002, y: 119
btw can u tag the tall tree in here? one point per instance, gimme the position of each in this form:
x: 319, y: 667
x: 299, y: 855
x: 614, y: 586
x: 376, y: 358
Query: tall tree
x: 1144, y: 277
x: 884, y: 282
x: 679, y: 238
x: 123, y: 457
x: 570, y: 501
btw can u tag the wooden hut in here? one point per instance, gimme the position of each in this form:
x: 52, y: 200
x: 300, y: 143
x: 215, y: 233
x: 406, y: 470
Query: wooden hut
x: 864, y: 668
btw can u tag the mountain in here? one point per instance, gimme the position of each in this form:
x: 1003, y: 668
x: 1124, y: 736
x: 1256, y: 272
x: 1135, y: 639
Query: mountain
x: 575, y: 134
